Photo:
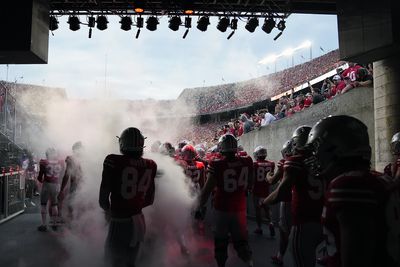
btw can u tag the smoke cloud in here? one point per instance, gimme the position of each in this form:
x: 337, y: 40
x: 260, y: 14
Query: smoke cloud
x: 96, y: 123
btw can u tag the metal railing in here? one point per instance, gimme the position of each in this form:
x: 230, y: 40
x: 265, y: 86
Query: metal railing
x: 12, y: 194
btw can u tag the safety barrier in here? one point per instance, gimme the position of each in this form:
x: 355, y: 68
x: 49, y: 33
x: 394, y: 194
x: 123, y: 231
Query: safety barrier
x: 12, y: 194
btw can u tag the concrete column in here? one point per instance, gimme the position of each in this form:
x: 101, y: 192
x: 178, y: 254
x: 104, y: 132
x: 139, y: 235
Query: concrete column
x: 386, y: 106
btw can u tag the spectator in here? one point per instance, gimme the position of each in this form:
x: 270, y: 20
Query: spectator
x: 238, y: 128
x: 248, y: 125
x: 338, y: 85
x: 308, y: 100
x: 268, y: 118
x: 362, y: 79
x: 316, y: 96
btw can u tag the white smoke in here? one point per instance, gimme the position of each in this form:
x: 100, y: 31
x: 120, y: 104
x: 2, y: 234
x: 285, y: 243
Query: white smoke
x: 96, y: 123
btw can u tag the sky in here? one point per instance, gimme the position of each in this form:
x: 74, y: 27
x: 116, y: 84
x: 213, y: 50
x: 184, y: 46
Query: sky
x: 160, y: 64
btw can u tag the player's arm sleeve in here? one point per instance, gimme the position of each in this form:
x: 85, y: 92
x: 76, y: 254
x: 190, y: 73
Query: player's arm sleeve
x: 273, y: 179
x: 65, y: 178
x: 284, y: 187
x: 42, y: 171
x: 209, y: 185
x: 105, y: 187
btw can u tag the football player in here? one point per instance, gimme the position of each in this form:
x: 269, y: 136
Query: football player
x: 260, y: 188
x: 230, y: 175
x: 360, y: 215
x: 73, y: 176
x: 285, y: 215
x: 306, y: 204
x: 50, y: 171
x: 193, y: 169
x: 127, y: 186
x: 241, y: 151
x: 392, y: 168
x: 196, y: 175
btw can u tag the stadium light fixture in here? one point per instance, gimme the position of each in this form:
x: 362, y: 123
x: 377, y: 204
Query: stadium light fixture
x: 151, y: 23
x: 288, y: 52
x: 252, y: 24
x: 306, y: 44
x: 277, y: 36
x: 234, y: 23
x: 74, y: 23
x: 281, y: 25
x: 53, y: 23
x: 126, y: 23
x: 91, y: 24
x: 174, y: 23
x: 101, y: 22
x: 269, y: 25
x: 188, y: 25
x: 202, y: 23
x: 223, y: 24
x: 269, y: 59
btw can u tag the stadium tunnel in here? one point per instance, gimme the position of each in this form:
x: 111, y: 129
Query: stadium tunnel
x: 368, y: 32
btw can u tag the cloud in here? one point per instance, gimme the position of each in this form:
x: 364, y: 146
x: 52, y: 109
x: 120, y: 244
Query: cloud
x: 161, y: 64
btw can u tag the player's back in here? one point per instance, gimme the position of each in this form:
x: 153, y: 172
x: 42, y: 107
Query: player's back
x: 131, y: 182
x: 365, y: 191
x: 261, y: 168
x: 232, y: 176
x: 307, y: 191
x: 51, y: 169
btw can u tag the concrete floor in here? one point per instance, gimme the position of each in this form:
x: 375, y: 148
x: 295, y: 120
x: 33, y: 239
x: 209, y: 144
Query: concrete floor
x: 23, y: 246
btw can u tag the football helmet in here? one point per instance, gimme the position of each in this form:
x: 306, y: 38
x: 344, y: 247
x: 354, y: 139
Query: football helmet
x: 200, y: 152
x: 131, y: 140
x: 167, y: 149
x: 227, y: 143
x: 336, y: 138
x: 155, y: 146
x: 299, y: 138
x: 395, y: 144
x: 182, y: 143
x: 77, y: 145
x: 188, y: 153
x: 287, y: 148
x: 51, y: 153
x: 260, y: 152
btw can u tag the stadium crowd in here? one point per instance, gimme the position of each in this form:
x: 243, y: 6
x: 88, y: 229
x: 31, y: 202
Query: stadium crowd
x: 235, y: 95
x: 287, y: 105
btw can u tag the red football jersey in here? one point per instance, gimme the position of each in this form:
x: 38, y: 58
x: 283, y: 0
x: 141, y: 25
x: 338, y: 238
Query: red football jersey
x: 307, y: 192
x: 391, y: 169
x: 51, y: 170
x: 261, y: 168
x: 366, y: 190
x: 351, y: 72
x: 232, y: 177
x: 130, y: 182
x: 195, y: 171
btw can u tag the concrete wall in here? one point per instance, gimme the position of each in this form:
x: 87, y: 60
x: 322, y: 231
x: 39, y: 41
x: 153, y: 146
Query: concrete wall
x: 358, y: 103
x: 387, y: 111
